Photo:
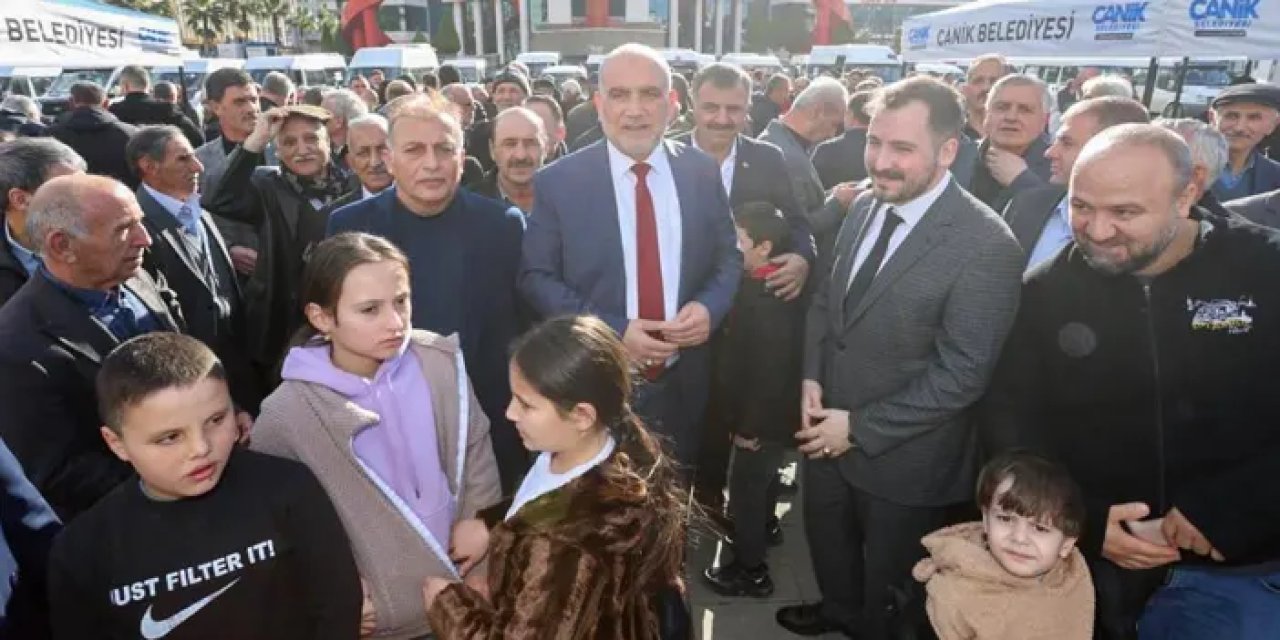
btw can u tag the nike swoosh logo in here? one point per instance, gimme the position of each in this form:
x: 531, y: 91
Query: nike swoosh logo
x: 153, y: 629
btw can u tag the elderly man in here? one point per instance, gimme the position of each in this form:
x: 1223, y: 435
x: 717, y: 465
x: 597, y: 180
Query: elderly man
x: 464, y: 255
x: 344, y: 105
x: 570, y: 95
x: 552, y: 117
x: 1144, y: 359
x: 189, y: 253
x: 1011, y: 158
x: 510, y: 89
x: 460, y: 96
x: 1209, y: 153
x: 360, y: 86
x: 770, y: 103
x: 1039, y: 216
x: 1246, y: 114
x: 841, y: 159
x: 139, y: 108
x: 638, y: 230
x: 367, y: 156
x: 25, y: 164
x: 277, y: 91
x: 983, y: 74
x: 95, y: 133
x: 233, y: 98
x: 519, y: 150
x: 1108, y: 85
x: 90, y: 295
x: 817, y: 116
x: 903, y: 331
x: 1073, y: 91
x: 284, y: 205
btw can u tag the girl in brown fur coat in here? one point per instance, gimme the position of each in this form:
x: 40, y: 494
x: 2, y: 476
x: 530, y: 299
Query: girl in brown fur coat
x: 595, y: 533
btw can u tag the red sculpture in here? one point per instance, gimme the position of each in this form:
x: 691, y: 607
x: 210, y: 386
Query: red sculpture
x: 824, y: 11
x: 360, y: 24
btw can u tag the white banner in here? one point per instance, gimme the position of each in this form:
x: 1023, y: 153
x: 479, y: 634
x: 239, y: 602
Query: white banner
x: 82, y: 29
x: 1152, y: 28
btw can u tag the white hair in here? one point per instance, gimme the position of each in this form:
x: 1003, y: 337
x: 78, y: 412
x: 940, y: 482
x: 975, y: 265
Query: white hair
x: 369, y: 120
x: 1108, y: 85
x: 1209, y: 147
x: 24, y: 105
x: 571, y: 86
x: 1023, y: 80
x: 344, y: 104
x: 822, y: 93
x: 640, y: 51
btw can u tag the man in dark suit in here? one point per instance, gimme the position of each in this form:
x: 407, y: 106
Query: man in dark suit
x: 840, y: 159
x: 1011, y: 158
x: 901, y: 337
x: 25, y: 164
x: 97, y: 135
x: 1246, y: 114
x: 770, y: 103
x: 464, y: 258
x: 189, y: 253
x: 1263, y: 209
x: 663, y: 204
x: 139, y: 108
x: 89, y: 295
x: 1038, y: 216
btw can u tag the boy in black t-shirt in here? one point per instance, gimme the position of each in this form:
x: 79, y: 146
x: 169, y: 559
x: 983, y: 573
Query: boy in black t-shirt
x: 211, y: 541
x: 757, y: 378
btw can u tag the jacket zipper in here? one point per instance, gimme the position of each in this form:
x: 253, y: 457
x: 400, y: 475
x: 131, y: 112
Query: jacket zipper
x: 1161, y: 505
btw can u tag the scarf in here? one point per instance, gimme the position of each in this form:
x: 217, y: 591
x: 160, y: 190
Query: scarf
x: 325, y: 188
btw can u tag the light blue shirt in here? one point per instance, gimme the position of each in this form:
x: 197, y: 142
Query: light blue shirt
x: 187, y: 213
x: 1056, y: 235
x: 29, y: 261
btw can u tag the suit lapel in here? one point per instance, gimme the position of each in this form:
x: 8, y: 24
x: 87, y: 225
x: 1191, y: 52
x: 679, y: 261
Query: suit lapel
x: 219, y: 249
x: 685, y: 191
x: 741, y: 165
x: 930, y: 230
x: 154, y: 299
x: 1028, y: 224
x: 68, y: 323
x: 846, y: 252
x: 170, y: 231
x: 607, y: 227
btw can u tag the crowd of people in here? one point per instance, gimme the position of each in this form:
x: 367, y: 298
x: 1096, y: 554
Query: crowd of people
x: 418, y: 358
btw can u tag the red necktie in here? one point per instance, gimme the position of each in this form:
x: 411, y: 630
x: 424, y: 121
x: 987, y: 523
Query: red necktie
x: 650, y: 300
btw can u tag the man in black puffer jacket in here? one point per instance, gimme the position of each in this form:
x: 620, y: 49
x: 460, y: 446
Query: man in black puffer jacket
x: 1146, y: 357
x: 97, y: 135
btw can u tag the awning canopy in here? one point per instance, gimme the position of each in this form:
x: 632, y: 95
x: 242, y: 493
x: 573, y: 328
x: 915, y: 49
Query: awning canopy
x: 71, y: 31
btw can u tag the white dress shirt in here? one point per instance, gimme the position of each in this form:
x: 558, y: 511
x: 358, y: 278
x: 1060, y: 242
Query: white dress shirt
x: 666, y: 210
x: 727, y: 167
x: 911, y: 213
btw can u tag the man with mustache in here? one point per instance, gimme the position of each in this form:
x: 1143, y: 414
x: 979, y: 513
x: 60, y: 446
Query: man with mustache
x: 464, y: 256
x: 1145, y: 358
x: 367, y: 158
x: 518, y: 148
x: 904, y: 328
x: 983, y: 73
x: 1011, y: 158
x: 233, y: 97
x: 1246, y: 114
x: 284, y: 205
x: 89, y: 295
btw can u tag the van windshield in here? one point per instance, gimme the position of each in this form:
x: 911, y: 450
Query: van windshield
x: 391, y: 73
x: 1207, y: 77
x: 194, y: 80
x: 61, y: 87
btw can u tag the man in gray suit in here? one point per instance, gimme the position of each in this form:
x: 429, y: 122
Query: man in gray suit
x: 901, y: 338
x: 1263, y: 209
x: 233, y: 98
x: 816, y: 116
x: 1038, y: 216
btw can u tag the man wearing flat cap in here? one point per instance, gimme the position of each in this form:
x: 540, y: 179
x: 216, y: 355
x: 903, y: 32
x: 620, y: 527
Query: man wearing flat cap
x: 284, y: 204
x: 1246, y: 114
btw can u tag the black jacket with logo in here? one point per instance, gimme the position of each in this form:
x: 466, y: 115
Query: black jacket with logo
x: 1165, y: 392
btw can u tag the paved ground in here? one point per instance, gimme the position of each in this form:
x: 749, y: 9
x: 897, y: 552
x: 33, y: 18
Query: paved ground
x: 719, y: 618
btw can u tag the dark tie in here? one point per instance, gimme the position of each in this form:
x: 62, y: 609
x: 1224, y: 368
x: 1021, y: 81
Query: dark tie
x: 649, y: 298
x: 867, y: 272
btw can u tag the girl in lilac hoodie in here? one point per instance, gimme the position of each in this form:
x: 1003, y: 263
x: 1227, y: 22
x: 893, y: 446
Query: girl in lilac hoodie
x: 384, y: 416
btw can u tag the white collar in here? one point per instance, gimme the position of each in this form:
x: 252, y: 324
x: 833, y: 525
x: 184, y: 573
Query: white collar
x: 733, y: 149
x: 912, y: 212
x: 620, y: 164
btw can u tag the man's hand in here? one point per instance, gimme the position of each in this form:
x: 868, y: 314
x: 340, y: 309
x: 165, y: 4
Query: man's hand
x: 265, y: 130
x: 244, y: 259
x: 1130, y: 551
x: 244, y: 425
x: 788, y: 281
x: 468, y: 544
x: 691, y: 327
x: 810, y: 402
x: 644, y: 348
x: 431, y: 590
x: 829, y: 437
x: 1005, y: 167
x: 1178, y: 530
x: 845, y: 192
x: 368, y: 616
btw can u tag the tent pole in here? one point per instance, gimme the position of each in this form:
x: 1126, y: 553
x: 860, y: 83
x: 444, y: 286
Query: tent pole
x: 1177, y: 87
x: 1150, y: 90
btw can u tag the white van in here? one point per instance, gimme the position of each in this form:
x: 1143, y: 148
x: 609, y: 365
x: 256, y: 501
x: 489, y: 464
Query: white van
x: 17, y: 80
x: 194, y: 73
x: 561, y: 72
x: 593, y: 65
x: 537, y: 61
x: 1204, y: 80
x: 393, y: 62
x: 878, y: 59
x: 753, y: 61
x: 102, y: 72
x: 685, y: 62
x: 306, y: 70
x: 472, y: 70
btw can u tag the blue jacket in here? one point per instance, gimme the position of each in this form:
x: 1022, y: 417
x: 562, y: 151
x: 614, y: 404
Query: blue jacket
x: 27, y: 528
